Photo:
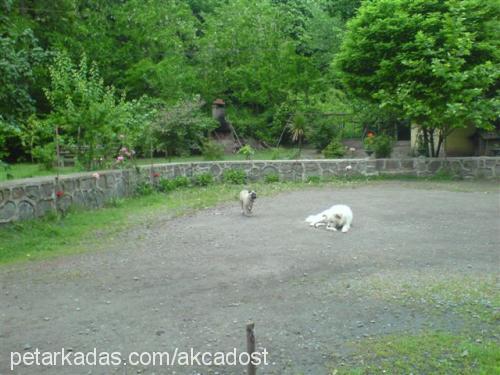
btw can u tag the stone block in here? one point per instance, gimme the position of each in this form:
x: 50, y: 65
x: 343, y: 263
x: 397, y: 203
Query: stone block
x: 392, y: 165
x: 47, y: 190
x: 17, y: 193
x: 44, y: 207
x: 25, y: 210
x: 32, y: 192
x: 7, y: 211
x: 434, y: 166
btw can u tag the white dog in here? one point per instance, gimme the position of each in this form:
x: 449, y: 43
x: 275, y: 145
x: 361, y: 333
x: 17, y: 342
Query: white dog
x: 336, y: 217
x: 246, y: 199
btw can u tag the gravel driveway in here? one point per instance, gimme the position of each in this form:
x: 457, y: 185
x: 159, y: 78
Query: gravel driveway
x: 195, y: 281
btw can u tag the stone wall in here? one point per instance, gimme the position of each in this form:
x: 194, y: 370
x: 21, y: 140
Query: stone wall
x: 36, y: 197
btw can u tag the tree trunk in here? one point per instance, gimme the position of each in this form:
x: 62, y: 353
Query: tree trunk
x: 431, y: 139
x: 426, y: 141
x: 440, y: 142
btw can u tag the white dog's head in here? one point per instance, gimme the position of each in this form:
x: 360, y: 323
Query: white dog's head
x: 337, y: 220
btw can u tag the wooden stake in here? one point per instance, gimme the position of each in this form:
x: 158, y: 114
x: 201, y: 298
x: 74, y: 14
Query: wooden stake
x: 251, y: 369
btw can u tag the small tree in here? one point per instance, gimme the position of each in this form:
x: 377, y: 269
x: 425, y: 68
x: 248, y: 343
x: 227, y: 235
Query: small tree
x: 87, y: 113
x: 434, y: 61
x: 183, y: 127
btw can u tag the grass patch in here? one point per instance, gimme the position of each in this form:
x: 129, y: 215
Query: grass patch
x: 426, y: 353
x: 475, y: 298
x: 27, y: 170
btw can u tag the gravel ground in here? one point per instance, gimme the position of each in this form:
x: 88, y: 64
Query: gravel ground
x: 195, y: 281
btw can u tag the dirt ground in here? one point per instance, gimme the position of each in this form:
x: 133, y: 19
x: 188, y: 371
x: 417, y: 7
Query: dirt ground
x: 195, y: 281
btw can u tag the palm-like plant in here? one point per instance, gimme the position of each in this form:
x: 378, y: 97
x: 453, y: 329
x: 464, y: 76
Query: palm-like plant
x: 297, y: 129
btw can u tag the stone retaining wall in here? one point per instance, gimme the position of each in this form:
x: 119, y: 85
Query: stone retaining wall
x: 35, y: 197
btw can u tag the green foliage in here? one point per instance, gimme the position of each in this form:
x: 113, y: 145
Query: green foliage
x: 45, y: 155
x: 35, y: 133
x: 182, y: 128
x: 322, y: 133
x: 435, y: 62
x: 20, y: 56
x: 203, y: 179
x: 313, y: 179
x: 382, y: 145
x: 247, y: 151
x: 211, y: 150
x: 297, y: 128
x: 234, y: 176
x: 334, y: 150
x: 144, y: 188
x: 92, y: 122
x: 170, y: 184
x: 271, y: 178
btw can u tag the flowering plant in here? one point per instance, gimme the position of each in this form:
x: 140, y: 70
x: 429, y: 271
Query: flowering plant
x: 381, y: 145
x: 369, y: 141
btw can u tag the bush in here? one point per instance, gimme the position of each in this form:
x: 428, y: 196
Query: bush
x: 334, y: 150
x: 144, y: 188
x: 313, y: 179
x: 247, y: 151
x: 182, y: 128
x: 203, y: 179
x: 212, y: 151
x: 45, y: 155
x: 322, y: 133
x: 166, y: 185
x: 271, y: 178
x: 382, y: 145
x: 234, y: 176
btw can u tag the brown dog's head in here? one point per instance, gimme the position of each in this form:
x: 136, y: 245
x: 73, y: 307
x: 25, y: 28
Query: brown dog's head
x: 253, y: 195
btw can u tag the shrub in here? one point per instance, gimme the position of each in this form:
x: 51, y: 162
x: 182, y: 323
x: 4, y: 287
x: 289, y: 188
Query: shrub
x: 247, y: 151
x: 382, y: 145
x: 322, y: 133
x: 45, y: 155
x: 203, y: 179
x: 212, y: 150
x: 182, y: 128
x: 170, y: 184
x: 144, y: 188
x: 313, y: 179
x: 234, y: 176
x: 335, y: 149
x: 271, y: 178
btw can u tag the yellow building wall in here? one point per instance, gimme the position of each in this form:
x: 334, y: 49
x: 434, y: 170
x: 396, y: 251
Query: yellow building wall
x: 456, y: 144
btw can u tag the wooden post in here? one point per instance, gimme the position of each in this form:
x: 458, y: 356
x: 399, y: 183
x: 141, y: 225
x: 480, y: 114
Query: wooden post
x: 58, y: 151
x: 251, y: 369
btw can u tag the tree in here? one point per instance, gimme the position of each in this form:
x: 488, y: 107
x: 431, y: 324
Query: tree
x: 88, y: 115
x: 182, y: 128
x: 20, y: 56
x: 433, y: 61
